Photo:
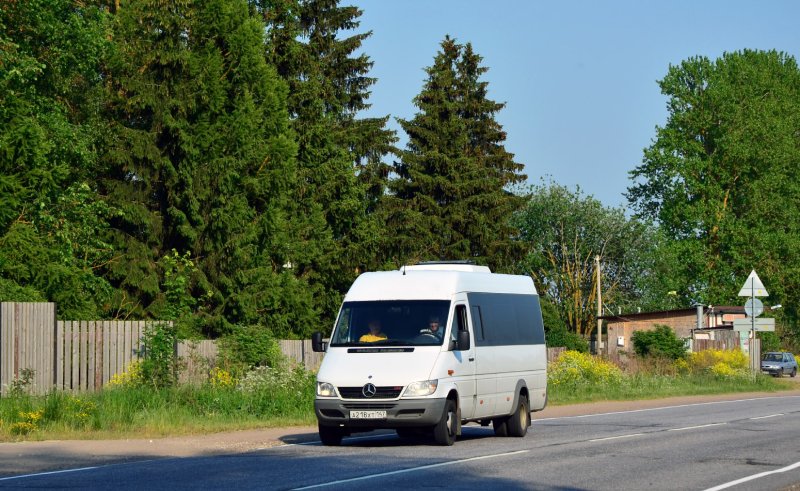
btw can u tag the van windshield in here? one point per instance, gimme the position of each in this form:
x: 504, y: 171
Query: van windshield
x: 391, y: 322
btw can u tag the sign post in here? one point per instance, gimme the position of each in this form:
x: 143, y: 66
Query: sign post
x: 753, y: 287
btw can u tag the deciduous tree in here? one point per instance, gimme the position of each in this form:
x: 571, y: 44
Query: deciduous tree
x: 721, y: 175
x: 562, y: 231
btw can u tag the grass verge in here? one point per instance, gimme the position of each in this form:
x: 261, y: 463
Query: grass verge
x: 285, y: 399
x: 644, y: 386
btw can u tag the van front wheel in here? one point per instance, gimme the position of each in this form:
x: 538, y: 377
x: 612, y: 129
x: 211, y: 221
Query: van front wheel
x: 519, y: 421
x: 330, y: 435
x: 444, y: 433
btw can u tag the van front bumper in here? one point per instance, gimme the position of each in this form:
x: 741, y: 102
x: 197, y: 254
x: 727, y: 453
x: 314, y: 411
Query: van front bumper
x: 401, y: 413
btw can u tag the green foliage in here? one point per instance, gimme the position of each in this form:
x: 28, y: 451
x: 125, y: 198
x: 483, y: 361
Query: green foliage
x: 562, y: 232
x: 250, y: 346
x: 450, y: 199
x: 721, y: 363
x: 201, y: 160
x: 559, y: 337
x: 556, y: 333
x: 21, y: 385
x: 573, y: 369
x: 719, y: 177
x: 770, y: 341
x: 271, y: 397
x: 314, y: 45
x: 51, y: 221
x: 660, y: 342
x: 159, y: 366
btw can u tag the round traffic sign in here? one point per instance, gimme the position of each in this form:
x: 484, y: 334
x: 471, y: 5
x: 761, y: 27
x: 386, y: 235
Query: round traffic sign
x: 753, y: 307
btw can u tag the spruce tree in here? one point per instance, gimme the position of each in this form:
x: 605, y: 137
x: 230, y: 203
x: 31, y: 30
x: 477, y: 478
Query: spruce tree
x: 51, y: 217
x: 451, y: 198
x: 341, y: 174
x: 201, y: 161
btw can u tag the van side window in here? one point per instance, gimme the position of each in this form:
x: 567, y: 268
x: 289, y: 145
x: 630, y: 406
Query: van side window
x: 461, y: 318
x: 477, y: 321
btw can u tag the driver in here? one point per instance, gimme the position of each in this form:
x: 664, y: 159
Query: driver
x: 434, y: 328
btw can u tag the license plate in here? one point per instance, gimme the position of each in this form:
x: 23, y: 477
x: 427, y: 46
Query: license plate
x: 367, y: 414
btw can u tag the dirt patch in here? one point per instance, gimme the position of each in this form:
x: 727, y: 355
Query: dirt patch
x: 31, y: 457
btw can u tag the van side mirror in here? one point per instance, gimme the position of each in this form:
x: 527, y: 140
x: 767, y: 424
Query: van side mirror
x: 316, y: 343
x: 462, y: 341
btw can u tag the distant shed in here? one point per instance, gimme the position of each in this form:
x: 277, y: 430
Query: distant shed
x: 714, y: 320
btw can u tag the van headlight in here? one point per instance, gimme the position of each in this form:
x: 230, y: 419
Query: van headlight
x: 325, y: 389
x: 423, y: 388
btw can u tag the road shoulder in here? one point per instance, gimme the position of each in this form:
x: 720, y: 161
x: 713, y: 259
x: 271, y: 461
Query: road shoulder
x: 32, y: 457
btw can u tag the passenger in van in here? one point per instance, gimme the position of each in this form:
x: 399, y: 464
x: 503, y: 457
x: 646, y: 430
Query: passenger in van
x: 374, y: 333
x: 434, y: 328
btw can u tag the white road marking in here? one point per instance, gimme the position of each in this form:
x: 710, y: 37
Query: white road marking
x: 662, y: 408
x: 696, y: 427
x: 413, y: 469
x: 770, y: 416
x: 754, y: 476
x: 22, y: 476
x: 616, y: 437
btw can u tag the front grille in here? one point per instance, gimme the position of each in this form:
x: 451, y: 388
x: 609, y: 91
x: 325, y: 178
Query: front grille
x: 380, y: 392
x: 368, y: 407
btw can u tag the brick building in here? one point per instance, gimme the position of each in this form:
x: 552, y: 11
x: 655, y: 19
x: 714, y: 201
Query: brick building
x: 684, y: 322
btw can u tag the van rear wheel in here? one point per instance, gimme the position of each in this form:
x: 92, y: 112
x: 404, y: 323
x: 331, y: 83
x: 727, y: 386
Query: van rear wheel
x: 500, y: 426
x: 444, y: 433
x: 519, y: 421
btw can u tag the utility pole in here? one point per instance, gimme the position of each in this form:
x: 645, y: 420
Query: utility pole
x: 599, y: 306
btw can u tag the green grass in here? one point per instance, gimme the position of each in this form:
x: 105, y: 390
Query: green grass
x: 286, y: 400
x: 143, y: 412
x: 651, y: 386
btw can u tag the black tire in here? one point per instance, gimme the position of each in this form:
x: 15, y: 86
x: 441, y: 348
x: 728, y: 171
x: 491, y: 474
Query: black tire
x: 794, y: 372
x: 408, y: 433
x: 500, y: 426
x: 519, y: 421
x: 330, y: 435
x: 444, y: 433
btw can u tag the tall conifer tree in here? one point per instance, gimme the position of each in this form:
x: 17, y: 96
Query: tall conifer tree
x: 451, y: 198
x: 341, y: 174
x: 50, y: 214
x: 201, y: 161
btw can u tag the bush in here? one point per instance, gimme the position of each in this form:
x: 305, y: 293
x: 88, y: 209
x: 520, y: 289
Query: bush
x: 558, y: 336
x: 133, y: 377
x: 660, y: 342
x: 250, y: 346
x: 574, y: 368
x: 720, y: 363
x: 160, y: 363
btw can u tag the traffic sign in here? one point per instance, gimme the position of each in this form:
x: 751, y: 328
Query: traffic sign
x: 753, y: 287
x: 759, y: 325
x: 753, y: 307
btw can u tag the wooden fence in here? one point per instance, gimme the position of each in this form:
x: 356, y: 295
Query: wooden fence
x: 26, y: 329
x: 85, y: 355
x: 89, y: 353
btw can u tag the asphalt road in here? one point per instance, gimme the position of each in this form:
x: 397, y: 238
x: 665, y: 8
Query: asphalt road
x: 741, y: 445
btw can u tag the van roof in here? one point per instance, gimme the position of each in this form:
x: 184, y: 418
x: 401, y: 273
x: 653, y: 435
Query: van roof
x: 447, y: 266
x: 413, y: 283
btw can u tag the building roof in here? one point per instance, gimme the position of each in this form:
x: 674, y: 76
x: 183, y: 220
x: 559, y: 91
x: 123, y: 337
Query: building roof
x: 714, y: 309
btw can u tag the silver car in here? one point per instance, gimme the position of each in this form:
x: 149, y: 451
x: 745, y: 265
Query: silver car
x: 777, y: 363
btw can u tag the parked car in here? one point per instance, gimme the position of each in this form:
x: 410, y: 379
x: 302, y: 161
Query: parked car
x: 777, y: 363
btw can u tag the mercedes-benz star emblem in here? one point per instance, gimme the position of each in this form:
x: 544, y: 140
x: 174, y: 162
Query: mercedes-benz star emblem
x: 369, y: 390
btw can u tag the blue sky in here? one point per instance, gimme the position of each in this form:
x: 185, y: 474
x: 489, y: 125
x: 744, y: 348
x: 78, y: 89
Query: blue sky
x: 578, y: 77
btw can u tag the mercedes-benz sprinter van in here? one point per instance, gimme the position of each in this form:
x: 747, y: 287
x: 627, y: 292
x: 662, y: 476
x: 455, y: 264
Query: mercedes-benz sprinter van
x: 431, y: 347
